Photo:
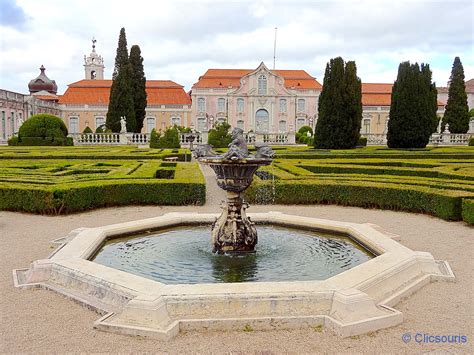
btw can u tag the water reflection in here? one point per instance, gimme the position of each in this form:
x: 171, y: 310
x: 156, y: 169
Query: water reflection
x: 183, y: 255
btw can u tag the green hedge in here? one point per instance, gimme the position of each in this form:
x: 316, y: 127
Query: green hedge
x: 468, y: 210
x: 445, y: 204
x: 67, y: 199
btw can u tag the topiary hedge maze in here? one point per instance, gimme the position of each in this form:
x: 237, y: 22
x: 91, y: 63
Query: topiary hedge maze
x: 65, y: 185
x: 440, y: 183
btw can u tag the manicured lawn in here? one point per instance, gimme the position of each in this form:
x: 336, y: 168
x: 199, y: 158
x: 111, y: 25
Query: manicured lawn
x: 439, y: 181
x: 68, y: 179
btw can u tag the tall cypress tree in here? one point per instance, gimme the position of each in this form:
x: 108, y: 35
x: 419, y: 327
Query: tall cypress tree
x: 139, y: 86
x: 413, y: 107
x: 457, y: 110
x: 340, y: 107
x: 121, y: 92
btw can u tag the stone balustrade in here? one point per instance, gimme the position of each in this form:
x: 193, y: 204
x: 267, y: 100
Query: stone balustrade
x: 435, y: 139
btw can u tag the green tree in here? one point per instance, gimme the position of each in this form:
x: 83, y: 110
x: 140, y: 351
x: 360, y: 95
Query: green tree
x: 154, y: 138
x: 457, y: 110
x: 87, y: 130
x: 169, y: 138
x: 43, y: 129
x: 139, y: 86
x: 219, y: 136
x: 340, y: 107
x: 121, y: 92
x: 413, y: 107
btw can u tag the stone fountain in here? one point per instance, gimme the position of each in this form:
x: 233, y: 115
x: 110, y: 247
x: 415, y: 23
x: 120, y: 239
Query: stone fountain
x: 233, y: 231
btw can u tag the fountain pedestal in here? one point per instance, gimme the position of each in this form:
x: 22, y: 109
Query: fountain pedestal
x: 233, y: 231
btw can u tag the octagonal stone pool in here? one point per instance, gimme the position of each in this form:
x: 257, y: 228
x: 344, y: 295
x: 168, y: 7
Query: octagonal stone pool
x: 183, y: 255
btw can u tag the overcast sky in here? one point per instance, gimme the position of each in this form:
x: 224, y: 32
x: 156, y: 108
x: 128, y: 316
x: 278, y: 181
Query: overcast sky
x: 180, y: 40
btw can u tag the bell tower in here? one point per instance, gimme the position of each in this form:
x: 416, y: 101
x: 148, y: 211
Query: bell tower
x: 94, y: 65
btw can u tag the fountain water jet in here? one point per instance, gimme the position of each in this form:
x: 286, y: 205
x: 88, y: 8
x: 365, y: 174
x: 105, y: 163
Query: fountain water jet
x: 233, y: 231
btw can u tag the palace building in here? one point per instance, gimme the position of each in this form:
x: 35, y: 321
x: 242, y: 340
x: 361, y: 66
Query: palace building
x: 85, y: 102
x: 257, y: 100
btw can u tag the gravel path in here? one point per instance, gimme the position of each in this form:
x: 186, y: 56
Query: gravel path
x: 39, y: 321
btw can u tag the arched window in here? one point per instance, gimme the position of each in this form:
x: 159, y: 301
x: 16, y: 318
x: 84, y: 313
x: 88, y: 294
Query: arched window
x: 261, y: 121
x: 301, y: 104
x: 74, y: 124
x: 262, y: 85
x: 221, y: 105
x: 282, y: 105
x: 240, y: 124
x: 240, y: 105
x: 201, y: 104
x: 282, y: 126
x: 150, y: 124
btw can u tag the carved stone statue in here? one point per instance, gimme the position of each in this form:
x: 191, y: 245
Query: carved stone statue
x: 203, y: 150
x: 264, y: 151
x: 123, y: 124
x: 238, y: 147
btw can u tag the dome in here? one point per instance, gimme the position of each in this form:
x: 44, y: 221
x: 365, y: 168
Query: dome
x: 42, y: 82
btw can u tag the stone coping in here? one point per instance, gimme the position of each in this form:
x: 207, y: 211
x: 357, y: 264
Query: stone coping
x: 353, y: 302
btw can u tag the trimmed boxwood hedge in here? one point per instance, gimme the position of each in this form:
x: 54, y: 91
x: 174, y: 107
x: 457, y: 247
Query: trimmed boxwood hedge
x: 445, y: 204
x: 468, y: 210
x: 58, y: 189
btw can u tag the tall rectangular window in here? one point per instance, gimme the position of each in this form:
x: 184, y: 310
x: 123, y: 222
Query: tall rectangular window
x: 262, y: 85
x: 201, y: 104
x: 240, y: 105
x: 282, y: 105
x: 301, y: 104
x: 74, y: 125
x: 150, y: 124
x: 4, y: 126
x: 12, y: 123
x: 240, y: 124
x: 175, y: 121
x: 221, y: 105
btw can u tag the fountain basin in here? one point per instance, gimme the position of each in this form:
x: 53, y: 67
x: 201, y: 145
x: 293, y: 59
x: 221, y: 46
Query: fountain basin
x: 353, y: 302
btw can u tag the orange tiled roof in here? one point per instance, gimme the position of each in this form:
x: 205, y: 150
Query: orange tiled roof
x: 47, y: 97
x: 215, y: 78
x: 97, y: 92
x: 379, y: 94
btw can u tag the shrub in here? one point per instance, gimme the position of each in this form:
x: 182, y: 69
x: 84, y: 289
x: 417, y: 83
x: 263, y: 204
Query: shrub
x: 169, y: 139
x: 219, y: 136
x: 13, y: 140
x: 471, y: 141
x: 154, y: 138
x: 362, y: 142
x: 43, y: 129
x: 87, y: 130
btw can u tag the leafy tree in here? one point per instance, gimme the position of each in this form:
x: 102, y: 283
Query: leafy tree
x: 457, y: 110
x: 219, y: 136
x: 121, y: 92
x: 154, y: 138
x: 168, y: 139
x: 302, y: 134
x: 413, y: 107
x: 340, y: 107
x: 139, y: 86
